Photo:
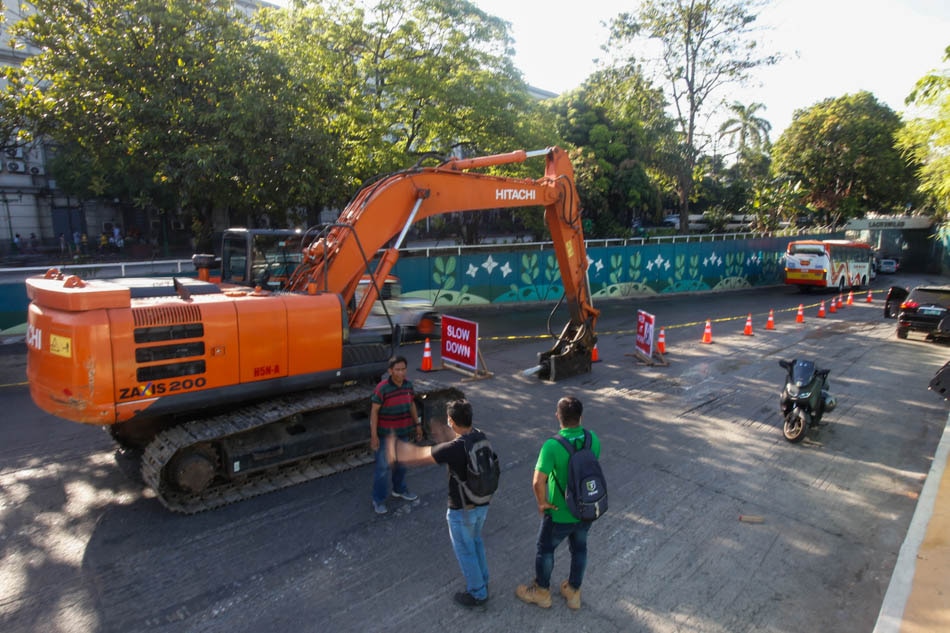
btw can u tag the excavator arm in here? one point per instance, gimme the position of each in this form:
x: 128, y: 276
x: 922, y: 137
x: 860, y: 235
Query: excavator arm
x: 387, y: 208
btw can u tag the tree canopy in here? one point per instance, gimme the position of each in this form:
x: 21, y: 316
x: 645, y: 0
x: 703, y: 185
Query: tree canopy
x: 927, y: 140
x: 843, y: 153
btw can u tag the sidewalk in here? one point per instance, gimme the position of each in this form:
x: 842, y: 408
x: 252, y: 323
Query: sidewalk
x: 918, y: 596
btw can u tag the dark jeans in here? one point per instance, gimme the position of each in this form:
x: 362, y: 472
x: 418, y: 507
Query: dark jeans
x: 550, y: 536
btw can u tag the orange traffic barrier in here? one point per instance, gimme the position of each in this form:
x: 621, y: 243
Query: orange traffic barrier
x: 707, y: 333
x: 821, y: 309
x: 832, y: 306
x: 594, y: 356
x: 850, y: 301
x: 800, y: 317
x: 770, y: 324
x: 661, y: 342
x: 748, y: 326
x: 870, y: 297
x: 426, y: 357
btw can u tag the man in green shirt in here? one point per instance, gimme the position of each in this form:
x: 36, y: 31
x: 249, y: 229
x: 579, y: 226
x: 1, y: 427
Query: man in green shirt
x: 557, y: 522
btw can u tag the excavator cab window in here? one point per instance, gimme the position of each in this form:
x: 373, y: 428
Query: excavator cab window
x: 234, y: 260
x: 264, y: 258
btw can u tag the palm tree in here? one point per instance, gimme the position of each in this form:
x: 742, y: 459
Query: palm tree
x: 748, y: 133
x: 745, y: 130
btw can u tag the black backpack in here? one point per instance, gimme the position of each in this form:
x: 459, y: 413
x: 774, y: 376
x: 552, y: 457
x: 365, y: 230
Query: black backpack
x: 483, y: 468
x: 586, y: 489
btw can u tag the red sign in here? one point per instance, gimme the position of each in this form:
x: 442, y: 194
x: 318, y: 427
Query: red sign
x: 460, y: 342
x: 645, y: 323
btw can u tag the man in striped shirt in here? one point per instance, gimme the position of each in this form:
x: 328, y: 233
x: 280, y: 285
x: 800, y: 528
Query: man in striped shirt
x: 393, y: 412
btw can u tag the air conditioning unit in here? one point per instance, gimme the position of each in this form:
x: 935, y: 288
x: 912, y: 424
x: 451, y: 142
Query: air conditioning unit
x: 37, y: 170
x: 14, y: 152
x: 15, y: 167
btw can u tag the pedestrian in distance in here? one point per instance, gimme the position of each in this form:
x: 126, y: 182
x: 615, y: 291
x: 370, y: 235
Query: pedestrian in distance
x: 392, y: 413
x: 466, y: 512
x: 557, y: 522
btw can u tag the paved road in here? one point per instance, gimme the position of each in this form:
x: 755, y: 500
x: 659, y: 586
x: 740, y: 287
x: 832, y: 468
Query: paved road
x: 687, y: 449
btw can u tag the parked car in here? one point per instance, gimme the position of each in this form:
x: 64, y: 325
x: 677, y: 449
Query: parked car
x: 417, y: 318
x: 925, y: 310
x: 889, y: 266
x: 892, y: 302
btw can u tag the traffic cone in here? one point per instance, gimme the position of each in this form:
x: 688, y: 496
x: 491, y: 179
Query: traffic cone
x: 840, y: 303
x: 707, y: 333
x: 850, y: 297
x: 800, y: 317
x: 832, y: 306
x: 821, y: 310
x: 594, y: 356
x: 426, y: 357
x: 748, y: 326
x: 870, y: 297
x: 661, y: 342
x: 770, y: 324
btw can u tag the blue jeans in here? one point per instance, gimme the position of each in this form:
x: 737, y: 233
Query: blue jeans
x: 550, y: 536
x: 465, y: 530
x: 381, y: 475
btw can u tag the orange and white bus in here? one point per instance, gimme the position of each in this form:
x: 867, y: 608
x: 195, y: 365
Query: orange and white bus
x: 837, y: 264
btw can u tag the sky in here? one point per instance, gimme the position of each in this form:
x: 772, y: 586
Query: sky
x: 831, y: 48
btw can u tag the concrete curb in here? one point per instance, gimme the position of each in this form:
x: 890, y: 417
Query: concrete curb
x: 890, y: 618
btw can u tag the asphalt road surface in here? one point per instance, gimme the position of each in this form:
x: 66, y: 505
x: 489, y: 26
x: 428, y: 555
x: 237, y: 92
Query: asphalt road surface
x: 687, y: 449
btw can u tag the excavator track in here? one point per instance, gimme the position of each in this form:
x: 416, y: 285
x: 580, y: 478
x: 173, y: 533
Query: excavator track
x: 161, y: 451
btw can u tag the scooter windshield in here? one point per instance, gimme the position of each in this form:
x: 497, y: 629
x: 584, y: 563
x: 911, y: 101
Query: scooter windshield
x: 802, y: 372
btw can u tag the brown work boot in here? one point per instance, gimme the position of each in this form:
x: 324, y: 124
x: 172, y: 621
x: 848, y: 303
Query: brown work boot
x: 572, y: 595
x: 534, y: 595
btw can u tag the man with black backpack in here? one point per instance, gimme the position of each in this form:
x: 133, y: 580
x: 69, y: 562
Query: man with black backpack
x: 473, y: 472
x: 571, y: 492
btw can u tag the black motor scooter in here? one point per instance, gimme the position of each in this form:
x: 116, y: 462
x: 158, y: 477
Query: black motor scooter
x: 805, y: 398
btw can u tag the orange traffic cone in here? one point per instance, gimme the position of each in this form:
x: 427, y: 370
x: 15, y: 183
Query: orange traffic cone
x: 832, y: 306
x: 426, y: 357
x: 840, y: 303
x: 707, y: 333
x: 661, y: 342
x: 850, y: 301
x: 870, y: 297
x: 748, y: 326
x: 594, y: 356
x: 800, y: 317
x: 821, y: 310
x: 770, y: 324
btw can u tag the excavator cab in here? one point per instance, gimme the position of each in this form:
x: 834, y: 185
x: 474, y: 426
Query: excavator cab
x: 260, y: 257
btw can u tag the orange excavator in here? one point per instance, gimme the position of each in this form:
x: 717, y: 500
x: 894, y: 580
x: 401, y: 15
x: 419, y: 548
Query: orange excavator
x: 225, y: 391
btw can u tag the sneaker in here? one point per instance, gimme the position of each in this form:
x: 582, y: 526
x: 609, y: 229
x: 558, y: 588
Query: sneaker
x: 405, y: 494
x: 534, y: 595
x: 380, y: 507
x: 466, y: 599
x: 572, y: 595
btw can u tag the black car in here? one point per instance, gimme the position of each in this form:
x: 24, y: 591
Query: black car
x: 892, y: 303
x: 924, y: 310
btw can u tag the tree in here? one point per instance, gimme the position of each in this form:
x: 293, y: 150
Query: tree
x: 171, y: 106
x: 842, y: 152
x: 705, y: 46
x: 429, y: 76
x: 615, y: 122
x: 748, y: 133
x: 927, y: 140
